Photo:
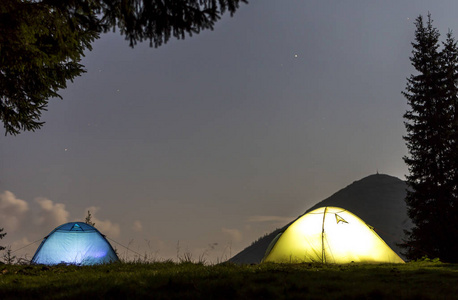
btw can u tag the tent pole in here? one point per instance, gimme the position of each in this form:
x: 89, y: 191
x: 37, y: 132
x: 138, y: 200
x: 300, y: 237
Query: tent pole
x: 323, y: 254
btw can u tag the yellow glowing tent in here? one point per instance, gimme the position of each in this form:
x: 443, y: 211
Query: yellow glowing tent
x: 330, y: 235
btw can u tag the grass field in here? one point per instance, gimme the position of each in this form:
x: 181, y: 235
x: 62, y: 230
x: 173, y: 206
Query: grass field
x: 168, y: 280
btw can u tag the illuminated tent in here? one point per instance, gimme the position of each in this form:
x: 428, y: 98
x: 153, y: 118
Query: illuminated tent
x: 329, y: 235
x: 75, y: 243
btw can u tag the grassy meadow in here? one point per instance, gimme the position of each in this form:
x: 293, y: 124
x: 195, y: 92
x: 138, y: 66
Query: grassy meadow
x: 169, y: 280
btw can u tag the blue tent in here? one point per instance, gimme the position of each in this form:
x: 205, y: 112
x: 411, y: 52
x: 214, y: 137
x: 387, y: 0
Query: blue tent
x: 75, y: 243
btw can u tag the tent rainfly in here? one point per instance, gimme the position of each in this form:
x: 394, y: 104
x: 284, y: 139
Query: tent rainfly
x: 75, y: 243
x: 330, y: 235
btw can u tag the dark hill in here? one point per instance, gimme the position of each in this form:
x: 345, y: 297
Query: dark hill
x: 377, y: 199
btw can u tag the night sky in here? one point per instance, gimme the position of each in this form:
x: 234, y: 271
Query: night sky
x: 205, y: 144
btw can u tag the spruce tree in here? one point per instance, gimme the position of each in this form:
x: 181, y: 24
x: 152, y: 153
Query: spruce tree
x: 450, y: 67
x: 430, y: 94
x: 88, y: 219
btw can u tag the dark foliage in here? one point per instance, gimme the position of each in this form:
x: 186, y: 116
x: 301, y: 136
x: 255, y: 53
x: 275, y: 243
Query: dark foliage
x: 1, y: 236
x: 431, y: 142
x: 42, y: 43
x: 88, y: 219
x: 157, y: 20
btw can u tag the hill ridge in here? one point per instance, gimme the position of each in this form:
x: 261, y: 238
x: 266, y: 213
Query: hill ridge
x: 377, y: 199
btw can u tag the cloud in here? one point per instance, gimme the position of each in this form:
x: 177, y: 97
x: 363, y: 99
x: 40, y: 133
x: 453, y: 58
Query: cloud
x: 234, y: 234
x: 106, y: 227
x: 22, y: 248
x: 12, y: 210
x: 137, y: 226
x: 51, y: 214
x: 276, y: 219
x: 21, y: 243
